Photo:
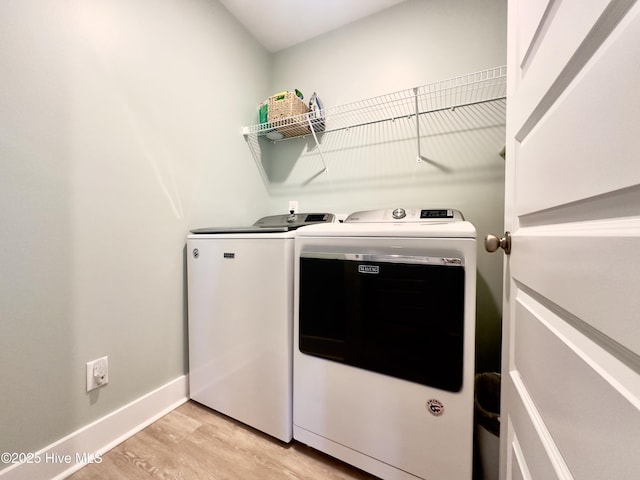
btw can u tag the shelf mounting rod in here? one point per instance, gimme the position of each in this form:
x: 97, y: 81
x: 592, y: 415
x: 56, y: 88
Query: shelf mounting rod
x: 326, y: 170
x: 415, y: 93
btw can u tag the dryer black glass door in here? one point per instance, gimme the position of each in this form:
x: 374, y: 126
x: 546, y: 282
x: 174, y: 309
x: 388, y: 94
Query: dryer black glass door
x: 399, y: 316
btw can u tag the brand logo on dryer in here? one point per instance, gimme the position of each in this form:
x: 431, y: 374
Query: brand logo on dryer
x: 435, y: 407
x: 375, y: 269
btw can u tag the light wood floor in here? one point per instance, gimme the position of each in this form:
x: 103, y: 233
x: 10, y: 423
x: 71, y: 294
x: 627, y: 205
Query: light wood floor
x: 195, y: 443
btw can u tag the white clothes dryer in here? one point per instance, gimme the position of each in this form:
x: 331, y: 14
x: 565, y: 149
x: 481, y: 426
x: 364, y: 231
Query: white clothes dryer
x: 384, y: 335
x: 240, y: 298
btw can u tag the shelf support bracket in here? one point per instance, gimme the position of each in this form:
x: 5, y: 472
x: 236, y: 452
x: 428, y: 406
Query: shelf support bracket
x: 313, y: 132
x: 419, y: 158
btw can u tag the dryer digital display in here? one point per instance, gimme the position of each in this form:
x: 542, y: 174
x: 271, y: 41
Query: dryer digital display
x: 436, y: 213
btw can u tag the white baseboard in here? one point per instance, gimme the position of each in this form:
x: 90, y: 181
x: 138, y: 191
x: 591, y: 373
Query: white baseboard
x: 88, y: 444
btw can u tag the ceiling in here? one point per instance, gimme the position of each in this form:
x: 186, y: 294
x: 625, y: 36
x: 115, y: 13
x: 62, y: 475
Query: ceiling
x: 279, y: 24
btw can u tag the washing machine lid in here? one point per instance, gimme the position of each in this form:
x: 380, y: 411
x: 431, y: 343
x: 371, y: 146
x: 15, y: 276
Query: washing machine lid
x: 273, y: 224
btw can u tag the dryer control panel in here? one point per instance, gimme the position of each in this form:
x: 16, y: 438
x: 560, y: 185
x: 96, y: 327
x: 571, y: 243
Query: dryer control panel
x: 409, y: 215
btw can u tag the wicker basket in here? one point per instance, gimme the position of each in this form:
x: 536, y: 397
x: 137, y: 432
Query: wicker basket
x: 283, y: 106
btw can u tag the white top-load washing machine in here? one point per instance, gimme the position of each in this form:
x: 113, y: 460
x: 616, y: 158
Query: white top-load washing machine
x: 384, y: 328
x: 240, y: 298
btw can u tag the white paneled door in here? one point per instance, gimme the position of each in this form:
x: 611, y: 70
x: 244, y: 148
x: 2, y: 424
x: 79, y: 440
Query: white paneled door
x: 571, y: 355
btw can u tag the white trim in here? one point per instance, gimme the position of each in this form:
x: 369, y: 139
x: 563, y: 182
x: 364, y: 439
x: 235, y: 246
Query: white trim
x: 65, y: 456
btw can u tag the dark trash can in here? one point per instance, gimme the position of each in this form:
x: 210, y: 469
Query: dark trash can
x: 487, y: 417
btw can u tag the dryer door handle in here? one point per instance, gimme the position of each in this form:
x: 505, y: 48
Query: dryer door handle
x: 381, y: 258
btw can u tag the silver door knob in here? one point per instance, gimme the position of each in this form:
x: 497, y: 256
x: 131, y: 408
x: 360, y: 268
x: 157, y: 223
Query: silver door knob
x: 493, y: 243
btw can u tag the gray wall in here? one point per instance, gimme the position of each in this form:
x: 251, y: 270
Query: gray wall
x: 119, y: 131
x: 414, y: 43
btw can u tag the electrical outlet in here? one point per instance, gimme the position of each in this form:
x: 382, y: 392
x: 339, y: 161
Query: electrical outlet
x: 97, y: 373
x: 293, y: 206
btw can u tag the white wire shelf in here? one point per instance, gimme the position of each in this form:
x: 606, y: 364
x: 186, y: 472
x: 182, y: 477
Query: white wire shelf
x: 474, y: 88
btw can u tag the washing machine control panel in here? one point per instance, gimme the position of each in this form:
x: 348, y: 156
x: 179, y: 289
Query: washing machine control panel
x: 295, y: 220
x: 408, y: 215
